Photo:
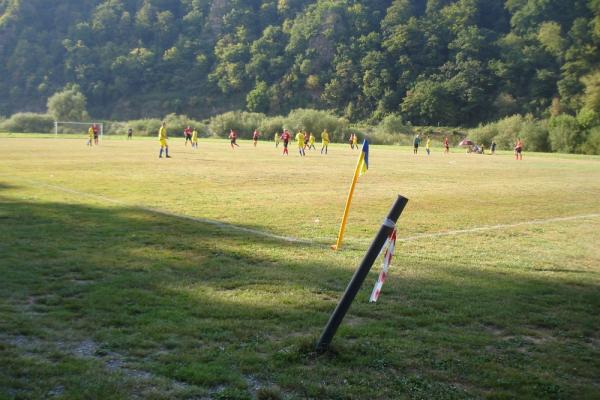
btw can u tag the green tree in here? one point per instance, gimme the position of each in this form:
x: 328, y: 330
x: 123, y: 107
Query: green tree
x: 68, y: 105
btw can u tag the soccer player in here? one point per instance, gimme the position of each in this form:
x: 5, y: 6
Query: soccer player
x: 493, y: 147
x: 300, y: 140
x: 428, y: 145
x: 306, y: 138
x: 351, y: 141
x: 162, y: 138
x: 129, y: 134
x: 90, y: 136
x: 311, y: 142
x: 285, y: 138
x: 324, y: 141
x: 187, y: 133
x: 95, y: 127
x: 354, y: 141
x: 446, y: 145
x: 416, y: 143
x: 277, y: 139
x: 233, y: 138
x: 519, y: 149
x: 194, y: 139
x: 255, y: 136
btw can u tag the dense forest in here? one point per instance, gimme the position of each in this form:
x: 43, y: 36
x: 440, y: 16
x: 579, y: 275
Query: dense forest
x: 449, y: 62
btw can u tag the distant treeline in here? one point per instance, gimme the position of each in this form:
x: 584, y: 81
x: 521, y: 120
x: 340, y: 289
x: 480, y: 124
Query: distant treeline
x: 562, y: 133
x: 429, y: 62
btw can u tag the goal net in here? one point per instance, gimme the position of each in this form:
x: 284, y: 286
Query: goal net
x: 79, y: 128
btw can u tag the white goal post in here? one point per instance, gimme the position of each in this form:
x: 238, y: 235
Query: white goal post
x: 78, y: 125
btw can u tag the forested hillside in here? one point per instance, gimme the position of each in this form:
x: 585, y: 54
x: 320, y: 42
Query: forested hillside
x: 432, y: 61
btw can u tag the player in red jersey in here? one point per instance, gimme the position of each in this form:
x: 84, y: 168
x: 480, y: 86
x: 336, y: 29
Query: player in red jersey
x: 285, y: 138
x: 233, y: 138
x: 255, y: 136
x: 446, y: 145
x: 187, y: 133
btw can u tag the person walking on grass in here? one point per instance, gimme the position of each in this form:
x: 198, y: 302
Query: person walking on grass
x: 194, y: 139
x: 306, y: 137
x: 255, y: 136
x: 519, y: 149
x: 311, y: 142
x: 324, y: 141
x: 355, y: 141
x: 90, y: 136
x: 162, y: 138
x: 428, y: 145
x: 233, y: 139
x: 277, y: 139
x: 129, y: 134
x: 416, y: 143
x: 300, y: 140
x: 446, y: 145
x: 285, y: 138
x: 96, y: 130
x: 187, y: 133
x: 493, y: 147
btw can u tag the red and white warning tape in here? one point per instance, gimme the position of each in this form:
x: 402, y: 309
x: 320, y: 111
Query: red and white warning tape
x: 388, y: 247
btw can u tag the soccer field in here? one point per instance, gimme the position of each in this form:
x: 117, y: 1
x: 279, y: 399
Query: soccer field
x: 209, y: 275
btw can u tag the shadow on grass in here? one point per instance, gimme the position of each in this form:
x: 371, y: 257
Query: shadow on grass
x: 191, y: 303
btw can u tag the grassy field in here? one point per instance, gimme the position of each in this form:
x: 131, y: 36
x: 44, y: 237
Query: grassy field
x: 128, y: 276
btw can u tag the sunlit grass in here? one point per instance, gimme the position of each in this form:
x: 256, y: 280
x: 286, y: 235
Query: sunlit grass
x: 169, y: 307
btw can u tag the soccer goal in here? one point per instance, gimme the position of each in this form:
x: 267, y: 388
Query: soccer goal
x: 77, y: 128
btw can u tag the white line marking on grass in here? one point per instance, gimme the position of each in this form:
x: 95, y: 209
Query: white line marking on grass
x: 219, y: 224
x: 292, y: 239
x: 496, y: 227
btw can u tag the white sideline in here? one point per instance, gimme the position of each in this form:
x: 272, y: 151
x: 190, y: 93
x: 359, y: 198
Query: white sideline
x: 292, y: 239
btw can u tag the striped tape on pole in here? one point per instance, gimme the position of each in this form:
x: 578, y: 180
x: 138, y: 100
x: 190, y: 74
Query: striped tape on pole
x: 389, y: 246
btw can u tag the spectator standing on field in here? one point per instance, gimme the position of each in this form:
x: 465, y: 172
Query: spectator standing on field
x: 416, y: 143
x: 519, y: 149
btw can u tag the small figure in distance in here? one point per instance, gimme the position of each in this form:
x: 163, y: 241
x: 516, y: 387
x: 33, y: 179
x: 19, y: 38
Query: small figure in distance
x: 285, y: 138
x: 277, y: 139
x: 306, y: 137
x: 95, y: 126
x: 446, y: 145
x: 519, y: 149
x: 187, y: 132
x: 90, y: 136
x: 311, y: 142
x: 324, y: 141
x: 255, y: 136
x: 300, y: 140
x: 162, y: 138
x: 493, y: 147
x: 129, y: 134
x: 233, y: 138
x: 194, y: 139
x: 355, y: 141
x: 428, y: 145
x: 416, y: 143
x: 351, y: 140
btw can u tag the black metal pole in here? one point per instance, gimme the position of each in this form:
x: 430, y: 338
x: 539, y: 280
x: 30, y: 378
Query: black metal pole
x: 361, y: 273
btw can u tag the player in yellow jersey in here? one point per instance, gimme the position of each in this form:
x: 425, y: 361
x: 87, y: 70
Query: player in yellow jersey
x: 354, y: 141
x: 300, y: 140
x: 428, y: 146
x: 162, y: 138
x: 276, y: 139
x: 311, y: 142
x: 90, y: 136
x: 195, y: 139
x: 324, y: 141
